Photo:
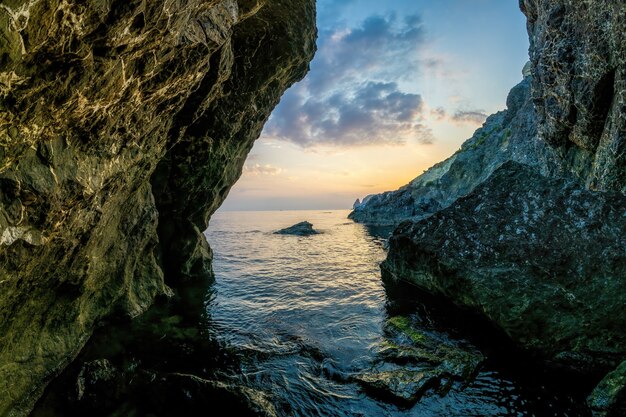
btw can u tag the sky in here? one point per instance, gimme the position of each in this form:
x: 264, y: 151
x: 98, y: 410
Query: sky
x: 395, y: 87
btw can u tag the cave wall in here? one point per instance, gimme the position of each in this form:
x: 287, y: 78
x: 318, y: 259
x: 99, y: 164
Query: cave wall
x: 123, y: 124
x: 578, y: 55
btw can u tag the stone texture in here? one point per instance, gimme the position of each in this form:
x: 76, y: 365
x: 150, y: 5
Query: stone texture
x: 509, y: 135
x: 123, y: 125
x: 579, y: 84
x: 162, y: 363
x: 544, y: 259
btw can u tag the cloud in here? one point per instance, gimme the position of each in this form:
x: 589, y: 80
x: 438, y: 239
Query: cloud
x: 258, y: 169
x: 380, y: 48
x: 438, y: 113
x: 471, y: 116
x: 374, y: 113
x: 351, y: 96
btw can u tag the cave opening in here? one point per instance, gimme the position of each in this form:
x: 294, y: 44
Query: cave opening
x: 280, y: 307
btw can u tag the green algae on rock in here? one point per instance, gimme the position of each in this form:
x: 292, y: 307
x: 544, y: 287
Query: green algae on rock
x: 607, y: 399
x: 123, y: 126
x: 541, y: 258
x: 413, y: 363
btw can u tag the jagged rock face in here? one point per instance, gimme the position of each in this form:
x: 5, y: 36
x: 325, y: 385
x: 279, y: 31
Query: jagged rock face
x: 579, y: 84
x: 541, y: 258
x: 123, y: 125
x: 505, y: 136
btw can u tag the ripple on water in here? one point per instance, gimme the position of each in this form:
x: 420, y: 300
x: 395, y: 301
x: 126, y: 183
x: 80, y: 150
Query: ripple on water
x: 308, y: 313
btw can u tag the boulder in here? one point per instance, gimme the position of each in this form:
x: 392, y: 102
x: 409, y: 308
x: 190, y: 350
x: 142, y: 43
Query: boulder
x: 412, y: 363
x: 542, y: 258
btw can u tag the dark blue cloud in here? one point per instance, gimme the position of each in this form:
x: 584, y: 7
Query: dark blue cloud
x: 373, y: 113
x: 350, y: 96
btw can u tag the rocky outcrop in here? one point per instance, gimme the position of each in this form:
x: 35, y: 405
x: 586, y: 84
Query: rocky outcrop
x: 299, y: 229
x: 579, y: 84
x: 509, y: 135
x: 123, y: 124
x: 577, y: 106
x: 160, y: 364
x: 541, y: 258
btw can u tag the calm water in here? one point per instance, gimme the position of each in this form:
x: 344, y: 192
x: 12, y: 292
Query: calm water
x: 307, y: 313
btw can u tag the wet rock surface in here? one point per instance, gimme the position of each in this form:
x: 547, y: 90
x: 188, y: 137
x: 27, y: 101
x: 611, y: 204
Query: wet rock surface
x: 123, y: 126
x: 542, y: 258
x: 609, y: 397
x: 300, y: 229
x: 413, y: 363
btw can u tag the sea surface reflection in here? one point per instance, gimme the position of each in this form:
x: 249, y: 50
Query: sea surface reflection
x: 304, y: 315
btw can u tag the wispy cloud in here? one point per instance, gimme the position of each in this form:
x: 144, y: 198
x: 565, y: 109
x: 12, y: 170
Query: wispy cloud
x: 470, y: 116
x: 438, y: 113
x: 258, y: 169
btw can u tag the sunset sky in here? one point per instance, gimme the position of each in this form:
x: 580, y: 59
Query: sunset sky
x: 396, y: 86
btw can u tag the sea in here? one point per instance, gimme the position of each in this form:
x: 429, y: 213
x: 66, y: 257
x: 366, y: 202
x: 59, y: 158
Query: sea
x: 307, y: 314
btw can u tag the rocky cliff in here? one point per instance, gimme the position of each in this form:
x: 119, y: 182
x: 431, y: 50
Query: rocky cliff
x: 577, y: 106
x: 123, y: 124
x: 509, y: 135
x: 542, y: 257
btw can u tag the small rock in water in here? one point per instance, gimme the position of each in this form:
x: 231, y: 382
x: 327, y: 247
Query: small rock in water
x: 300, y: 229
